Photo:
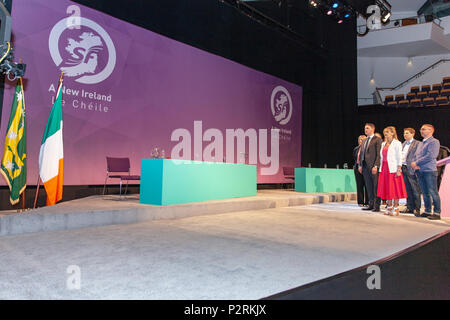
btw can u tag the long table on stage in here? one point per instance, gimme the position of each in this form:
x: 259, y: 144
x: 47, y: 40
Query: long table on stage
x: 170, y: 181
x: 316, y: 180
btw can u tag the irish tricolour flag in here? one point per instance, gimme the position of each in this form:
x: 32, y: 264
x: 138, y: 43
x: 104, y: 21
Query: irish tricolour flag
x: 51, y: 156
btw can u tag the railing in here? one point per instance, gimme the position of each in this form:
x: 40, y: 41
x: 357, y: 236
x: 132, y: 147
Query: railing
x: 404, y: 22
x: 414, y: 77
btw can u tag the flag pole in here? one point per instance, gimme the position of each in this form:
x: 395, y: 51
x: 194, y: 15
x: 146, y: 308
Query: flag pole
x: 23, y: 200
x: 21, y: 85
x: 39, y: 178
x: 37, y: 191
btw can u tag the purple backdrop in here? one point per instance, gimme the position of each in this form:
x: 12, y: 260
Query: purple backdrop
x: 128, y: 89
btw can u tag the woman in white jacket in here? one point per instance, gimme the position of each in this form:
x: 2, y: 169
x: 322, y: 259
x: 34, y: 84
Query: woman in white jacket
x: 390, y: 180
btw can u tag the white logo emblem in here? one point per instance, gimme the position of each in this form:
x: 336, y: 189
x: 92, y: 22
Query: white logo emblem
x: 83, y: 51
x: 281, y: 105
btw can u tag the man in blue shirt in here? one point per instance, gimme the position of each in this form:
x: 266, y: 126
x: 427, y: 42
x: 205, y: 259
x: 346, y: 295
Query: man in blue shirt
x: 425, y: 167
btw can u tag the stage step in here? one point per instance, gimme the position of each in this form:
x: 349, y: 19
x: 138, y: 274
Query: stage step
x: 97, y: 211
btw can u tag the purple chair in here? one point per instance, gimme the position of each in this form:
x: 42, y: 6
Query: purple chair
x: 116, y: 166
x: 289, y: 173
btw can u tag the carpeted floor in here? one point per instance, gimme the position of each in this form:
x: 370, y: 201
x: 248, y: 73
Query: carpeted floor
x: 241, y: 255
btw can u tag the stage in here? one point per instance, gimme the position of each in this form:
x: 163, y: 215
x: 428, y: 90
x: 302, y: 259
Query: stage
x: 247, y: 248
x: 114, y: 209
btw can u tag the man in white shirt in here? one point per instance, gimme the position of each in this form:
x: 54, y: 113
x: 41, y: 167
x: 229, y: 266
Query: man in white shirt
x: 413, y: 202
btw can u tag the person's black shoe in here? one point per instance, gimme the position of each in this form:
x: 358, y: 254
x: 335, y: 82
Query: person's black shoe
x: 425, y: 215
x: 377, y: 209
x: 367, y: 208
x: 417, y: 213
x: 406, y: 211
x: 434, y: 217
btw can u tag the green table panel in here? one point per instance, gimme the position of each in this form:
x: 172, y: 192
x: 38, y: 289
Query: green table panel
x: 167, y: 181
x: 317, y: 180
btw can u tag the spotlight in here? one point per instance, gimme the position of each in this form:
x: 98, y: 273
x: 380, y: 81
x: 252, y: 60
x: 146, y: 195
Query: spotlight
x: 347, y: 15
x: 386, y: 17
x: 313, y: 3
x: 330, y: 12
x: 335, y: 5
x: 386, y: 9
x: 340, y: 21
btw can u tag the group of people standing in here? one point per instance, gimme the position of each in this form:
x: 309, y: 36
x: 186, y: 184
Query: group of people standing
x: 386, y: 169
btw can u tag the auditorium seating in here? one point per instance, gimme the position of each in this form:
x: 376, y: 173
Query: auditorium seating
x: 428, y: 102
x: 410, y: 96
x: 426, y: 88
x: 433, y: 94
x: 442, y: 101
x: 415, y: 89
x: 427, y: 95
x: 437, y: 86
x: 403, y: 104
x: 392, y: 104
x: 416, y: 103
x: 421, y: 95
x: 388, y: 99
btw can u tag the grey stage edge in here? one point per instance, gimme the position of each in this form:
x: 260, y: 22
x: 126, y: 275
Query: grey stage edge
x: 97, y: 211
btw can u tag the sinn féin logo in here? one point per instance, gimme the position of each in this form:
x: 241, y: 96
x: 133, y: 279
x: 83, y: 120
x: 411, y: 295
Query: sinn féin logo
x: 281, y: 105
x: 86, y: 54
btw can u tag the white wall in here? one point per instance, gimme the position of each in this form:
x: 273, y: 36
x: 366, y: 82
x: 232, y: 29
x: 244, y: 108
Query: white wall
x: 388, y: 72
x: 391, y: 71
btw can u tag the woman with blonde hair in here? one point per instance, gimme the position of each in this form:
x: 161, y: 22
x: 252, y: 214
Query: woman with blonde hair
x: 390, y: 181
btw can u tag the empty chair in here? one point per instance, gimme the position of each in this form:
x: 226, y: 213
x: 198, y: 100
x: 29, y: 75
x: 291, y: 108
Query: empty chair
x: 445, y: 93
x: 429, y: 102
x: 442, y: 101
x: 426, y: 88
x: 410, y: 96
x: 118, y: 166
x: 415, y: 89
x: 415, y: 103
x: 399, y: 97
x: 403, y: 104
x: 289, y: 173
x: 433, y: 93
x: 437, y: 86
x: 392, y: 104
x: 446, y: 80
x: 421, y: 95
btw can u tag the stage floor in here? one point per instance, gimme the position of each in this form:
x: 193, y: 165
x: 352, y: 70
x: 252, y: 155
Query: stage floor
x: 236, y: 255
x: 99, y: 210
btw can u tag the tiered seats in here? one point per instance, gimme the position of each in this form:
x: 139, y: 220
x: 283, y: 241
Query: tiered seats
x: 442, y: 101
x: 437, y: 87
x: 437, y: 94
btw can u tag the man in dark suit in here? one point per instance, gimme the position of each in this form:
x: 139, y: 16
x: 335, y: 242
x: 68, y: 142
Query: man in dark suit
x: 413, y: 201
x: 369, y: 162
x: 361, y: 189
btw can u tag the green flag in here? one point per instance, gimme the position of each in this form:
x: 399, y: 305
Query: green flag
x: 14, y: 163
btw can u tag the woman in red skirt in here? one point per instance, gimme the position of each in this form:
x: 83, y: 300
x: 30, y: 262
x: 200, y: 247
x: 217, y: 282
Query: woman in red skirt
x: 390, y: 180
